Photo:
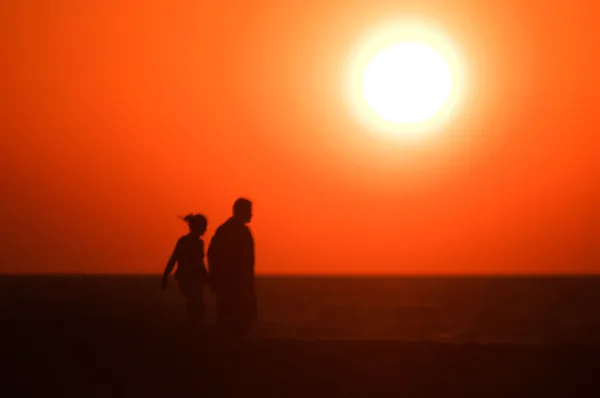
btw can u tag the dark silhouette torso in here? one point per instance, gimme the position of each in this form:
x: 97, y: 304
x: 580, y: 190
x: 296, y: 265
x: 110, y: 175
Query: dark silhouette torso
x: 231, y: 255
x: 231, y: 266
x: 189, y: 254
x: 191, y: 274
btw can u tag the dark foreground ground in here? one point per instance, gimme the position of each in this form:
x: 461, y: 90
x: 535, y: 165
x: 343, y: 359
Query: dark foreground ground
x: 59, y: 343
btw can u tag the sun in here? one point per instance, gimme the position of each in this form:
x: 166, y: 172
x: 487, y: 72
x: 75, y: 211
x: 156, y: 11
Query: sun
x: 407, y: 83
x: 405, y: 79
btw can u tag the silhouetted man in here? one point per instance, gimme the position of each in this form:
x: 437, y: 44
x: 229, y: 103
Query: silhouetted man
x: 231, y: 270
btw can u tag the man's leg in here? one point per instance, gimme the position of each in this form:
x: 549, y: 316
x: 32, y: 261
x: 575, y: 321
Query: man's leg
x: 229, y: 317
x: 222, y: 313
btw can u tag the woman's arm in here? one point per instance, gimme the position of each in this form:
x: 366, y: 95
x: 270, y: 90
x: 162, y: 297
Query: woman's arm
x: 170, y: 265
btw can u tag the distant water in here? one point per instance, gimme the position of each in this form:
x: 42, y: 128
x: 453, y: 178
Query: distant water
x: 526, y: 310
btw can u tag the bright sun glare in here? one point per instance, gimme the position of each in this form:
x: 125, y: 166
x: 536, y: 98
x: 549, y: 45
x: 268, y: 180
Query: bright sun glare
x: 405, y: 79
x: 407, y: 83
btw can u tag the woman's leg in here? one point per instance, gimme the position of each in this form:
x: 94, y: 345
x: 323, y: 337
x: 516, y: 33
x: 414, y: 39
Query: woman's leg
x: 194, y: 307
x: 196, y: 302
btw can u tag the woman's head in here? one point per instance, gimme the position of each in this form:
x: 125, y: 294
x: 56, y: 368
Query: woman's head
x: 197, y: 223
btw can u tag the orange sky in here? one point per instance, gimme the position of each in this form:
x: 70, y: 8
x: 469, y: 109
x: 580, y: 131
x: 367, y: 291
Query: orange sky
x: 117, y: 116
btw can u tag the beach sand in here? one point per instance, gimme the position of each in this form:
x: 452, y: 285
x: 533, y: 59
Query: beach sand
x: 69, y: 338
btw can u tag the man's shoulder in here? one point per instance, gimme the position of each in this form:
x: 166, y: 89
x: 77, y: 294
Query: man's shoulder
x: 228, y: 225
x: 221, y: 228
x: 220, y: 231
x: 231, y: 227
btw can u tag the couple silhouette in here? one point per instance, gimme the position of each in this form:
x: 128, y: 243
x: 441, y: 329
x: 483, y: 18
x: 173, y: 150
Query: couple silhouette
x: 230, y: 272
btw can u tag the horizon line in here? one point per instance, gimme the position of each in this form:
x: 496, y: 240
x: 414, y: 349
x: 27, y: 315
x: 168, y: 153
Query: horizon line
x: 317, y: 275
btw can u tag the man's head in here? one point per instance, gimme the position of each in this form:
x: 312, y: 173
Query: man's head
x: 242, y: 210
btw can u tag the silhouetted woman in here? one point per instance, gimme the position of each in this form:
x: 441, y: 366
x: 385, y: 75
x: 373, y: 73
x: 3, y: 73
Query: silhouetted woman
x: 191, y: 273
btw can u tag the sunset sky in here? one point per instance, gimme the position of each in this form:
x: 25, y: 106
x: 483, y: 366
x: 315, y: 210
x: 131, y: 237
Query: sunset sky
x: 118, y: 116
